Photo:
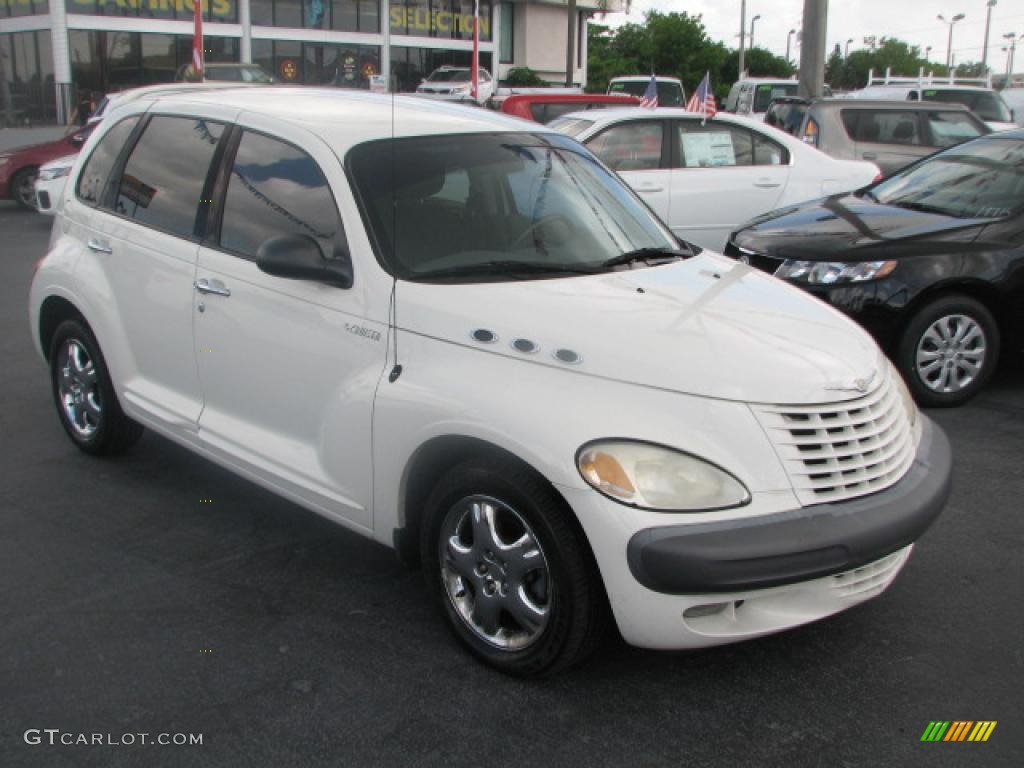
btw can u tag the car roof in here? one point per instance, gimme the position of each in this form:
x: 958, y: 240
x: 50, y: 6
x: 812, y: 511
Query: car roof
x: 639, y: 113
x: 344, y: 118
x: 927, y: 106
x: 643, y: 79
x: 583, y: 98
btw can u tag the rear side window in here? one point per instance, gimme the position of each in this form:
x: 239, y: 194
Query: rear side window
x: 631, y: 146
x: 92, y: 180
x: 948, y: 128
x: 276, y: 189
x: 163, y: 180
x: 878, y: 126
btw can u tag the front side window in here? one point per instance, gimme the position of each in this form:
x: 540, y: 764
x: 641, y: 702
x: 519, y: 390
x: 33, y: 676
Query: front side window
x: 877, y: 126
x: 980, y: 180
x: 949, y: 128
x: 277, y: 189
x: 714, y: 145
x: 163, y: 180
x: 93, y: 178
x: 503, y: 206
x: 631, y: 146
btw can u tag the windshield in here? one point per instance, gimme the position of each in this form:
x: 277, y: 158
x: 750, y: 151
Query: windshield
x: 451, y: 207
x: 449, y: 76
x: 985, y: 104
x: 980, y: 180
x: 768, y: 91
x: 669, y: 94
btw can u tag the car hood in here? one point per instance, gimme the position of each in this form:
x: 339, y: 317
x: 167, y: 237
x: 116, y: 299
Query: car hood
x: 847, y: 227
x: 61, y: 162
x: 706, y: 326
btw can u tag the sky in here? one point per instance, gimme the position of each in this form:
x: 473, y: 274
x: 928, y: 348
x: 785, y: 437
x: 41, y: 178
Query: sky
x: 913, y: 21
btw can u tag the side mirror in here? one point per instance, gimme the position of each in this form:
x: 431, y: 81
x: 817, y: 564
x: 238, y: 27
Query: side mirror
x: 298, y: 257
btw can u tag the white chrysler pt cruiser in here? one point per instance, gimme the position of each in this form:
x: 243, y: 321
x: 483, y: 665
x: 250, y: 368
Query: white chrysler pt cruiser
x: 460, y: 335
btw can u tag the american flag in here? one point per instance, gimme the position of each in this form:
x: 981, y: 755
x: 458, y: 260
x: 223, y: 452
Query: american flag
x: 703, y: 100
x: 650, y: 98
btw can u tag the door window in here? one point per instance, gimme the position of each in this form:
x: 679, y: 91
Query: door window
x: 882, y: 126
x: 632, y: 146
x: 92, y: 180
x: 949, y: 128
x: 276, y: 189
x: 714, y: 146
x: 164, y: 178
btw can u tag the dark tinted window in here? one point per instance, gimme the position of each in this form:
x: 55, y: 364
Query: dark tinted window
x: 163, y: 179
x: 766, y: 92
x: 948, y: 128
x: 882, y: 126
x: 93, y: 178
x: 669, y: 94
x: 277, y: 189
x: 787, y: 116
x: 985, y: 104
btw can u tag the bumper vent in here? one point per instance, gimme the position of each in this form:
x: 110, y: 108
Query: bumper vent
x: 838, y: 451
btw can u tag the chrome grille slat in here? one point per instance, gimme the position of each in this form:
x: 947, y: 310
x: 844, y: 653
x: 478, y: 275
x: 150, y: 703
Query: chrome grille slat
x: 837, y: 451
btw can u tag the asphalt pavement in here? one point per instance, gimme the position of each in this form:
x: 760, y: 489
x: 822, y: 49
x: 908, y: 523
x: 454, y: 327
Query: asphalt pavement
x: 158, y: 594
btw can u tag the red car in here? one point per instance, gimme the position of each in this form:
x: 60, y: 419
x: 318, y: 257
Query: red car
x: 18, y: 167
x: 545, y: 107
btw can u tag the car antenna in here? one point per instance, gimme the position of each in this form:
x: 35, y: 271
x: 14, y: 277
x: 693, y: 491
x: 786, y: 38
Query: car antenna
x: 396, y: 370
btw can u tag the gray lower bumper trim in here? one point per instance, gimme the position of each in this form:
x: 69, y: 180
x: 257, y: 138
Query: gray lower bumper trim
x: 799, y: 544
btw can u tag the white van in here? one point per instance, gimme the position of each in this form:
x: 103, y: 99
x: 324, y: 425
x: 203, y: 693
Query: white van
x: 460, y: 335
x: 751, y: 96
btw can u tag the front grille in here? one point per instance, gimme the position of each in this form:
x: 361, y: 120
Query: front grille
x: 43, y: 199
x: 838, y: 451
x: 870, y: 579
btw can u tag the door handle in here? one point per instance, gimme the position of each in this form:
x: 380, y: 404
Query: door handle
x: 96, y: 245
x: 216, y: 287
x: 647, y: 190
x: 767, y: 184
x: 870, y: 155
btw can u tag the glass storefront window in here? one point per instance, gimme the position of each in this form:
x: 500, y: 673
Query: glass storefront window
x: 329, y: 64
x: 439, y: 18
x: 507, y: 37
x: 23, y: 8
x: 410, y: 66
x: 28, y: 76
x: 213, y: 10
x: 341, y: 15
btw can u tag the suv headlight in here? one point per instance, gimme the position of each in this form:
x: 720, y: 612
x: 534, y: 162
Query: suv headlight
x: 49, y: 174
x: 649, y: 476
x: 833, y: 272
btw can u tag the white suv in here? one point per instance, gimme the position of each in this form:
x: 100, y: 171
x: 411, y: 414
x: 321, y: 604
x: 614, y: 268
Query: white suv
x: 460, y: 335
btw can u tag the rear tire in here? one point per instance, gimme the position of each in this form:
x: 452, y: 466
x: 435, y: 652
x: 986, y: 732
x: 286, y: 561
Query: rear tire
x: 23, y: 188
x: 509, y: 570
x: 949, y: 351
x: 84, y: 393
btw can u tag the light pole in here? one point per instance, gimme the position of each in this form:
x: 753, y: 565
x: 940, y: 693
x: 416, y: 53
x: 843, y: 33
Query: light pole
x: 753, y: 21
x: 1011, y: 38
x: 988, y: 23
x: 928, y: 54
x: 949, y: 45
x: 743, y: 33
x: 789, y: 39
x: 846, y: 53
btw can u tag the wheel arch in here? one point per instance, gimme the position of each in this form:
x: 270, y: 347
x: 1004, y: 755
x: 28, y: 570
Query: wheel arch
x: 54, y: 311
x: 978, y: 290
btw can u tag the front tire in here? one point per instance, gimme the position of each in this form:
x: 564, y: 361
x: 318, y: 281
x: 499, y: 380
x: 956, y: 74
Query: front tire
x: 84, y: 393
x: 23, y: 188
x: 949, y: 351
x: 510, y: 572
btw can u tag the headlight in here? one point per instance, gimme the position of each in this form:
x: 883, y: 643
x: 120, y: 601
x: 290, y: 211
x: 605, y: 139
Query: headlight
x: 650, y: 476
x: 832, y: 272
x: 49, y: 174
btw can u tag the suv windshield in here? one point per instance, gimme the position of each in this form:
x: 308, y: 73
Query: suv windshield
x: 486, y: 207
x: 980, y: 180
x: 449, y: 76
x: 669, y: 94
x: 768, y: 91
x: 985, y: 104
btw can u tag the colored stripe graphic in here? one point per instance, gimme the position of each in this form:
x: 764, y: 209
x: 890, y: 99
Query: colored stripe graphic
x: 935, y: 730
x: 982, y: 730
x: 958, y: 730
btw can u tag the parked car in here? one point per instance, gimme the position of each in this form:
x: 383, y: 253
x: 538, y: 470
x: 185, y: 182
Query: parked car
x: 50, y: 181
x: 457, y: 81
x: 986, y: 103
x: 705, y: 178
x: 890, y: 134
x: 787, y: 114
x: 545, y: 107
x: 459, y: 334
x: 19, y: 167
x: 752, y: 96
x: 225, y: 72
x: 930, y: 261
x: 670, y: 89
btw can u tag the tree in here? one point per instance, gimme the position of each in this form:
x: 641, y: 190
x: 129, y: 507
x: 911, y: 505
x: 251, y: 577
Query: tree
x: 902, y: 59
x: 971, y: 69
x: 834, y: 66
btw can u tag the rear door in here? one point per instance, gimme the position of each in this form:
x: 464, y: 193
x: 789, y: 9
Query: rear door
x: 638, y: 150
x: 723, y: 175
x: 891, y: 139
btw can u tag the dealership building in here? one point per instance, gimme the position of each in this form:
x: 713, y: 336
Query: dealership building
x: 51, y: 49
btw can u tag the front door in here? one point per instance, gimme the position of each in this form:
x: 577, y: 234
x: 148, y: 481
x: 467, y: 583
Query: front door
x: 288, y: 367
x: 637, y: 151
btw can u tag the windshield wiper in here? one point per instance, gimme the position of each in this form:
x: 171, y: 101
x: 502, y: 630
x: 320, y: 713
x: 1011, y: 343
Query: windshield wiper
x: 643, y: 254
x: 508, y: 267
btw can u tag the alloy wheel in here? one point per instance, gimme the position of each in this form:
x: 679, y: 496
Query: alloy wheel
x: 951, y: 353
x: 78, y: 388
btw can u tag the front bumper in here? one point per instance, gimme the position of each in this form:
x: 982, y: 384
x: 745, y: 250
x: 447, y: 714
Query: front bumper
x: 801, y: 544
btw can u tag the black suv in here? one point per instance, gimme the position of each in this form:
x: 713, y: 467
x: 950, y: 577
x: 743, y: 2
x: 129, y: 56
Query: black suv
x: 930, y: 261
